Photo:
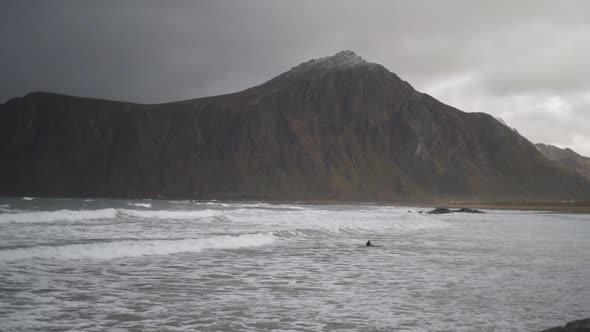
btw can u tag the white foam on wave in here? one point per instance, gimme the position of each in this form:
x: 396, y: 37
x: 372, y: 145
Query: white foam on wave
x: 270, y: 206
x: 145, y: 205
x: 217, y: 219
x: 170, y: 214
x: 110, y: 213
x: 217, y: 204
x: 130, y: 248
x: 59, y: 215
x: 28, y: 198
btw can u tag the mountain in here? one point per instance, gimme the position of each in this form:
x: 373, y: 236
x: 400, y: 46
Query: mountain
x: 567, y: 157
x: 334, y: 128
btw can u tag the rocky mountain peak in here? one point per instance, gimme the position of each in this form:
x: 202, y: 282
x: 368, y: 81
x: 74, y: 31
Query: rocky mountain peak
x: 333, y: 128
x: 343, y: 58
x: 340, y: 60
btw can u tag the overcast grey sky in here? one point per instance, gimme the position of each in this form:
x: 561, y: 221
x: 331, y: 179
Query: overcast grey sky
x: 525, y: 61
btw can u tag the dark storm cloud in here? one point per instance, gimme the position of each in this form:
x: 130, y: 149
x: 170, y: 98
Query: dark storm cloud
x: 508, y: 58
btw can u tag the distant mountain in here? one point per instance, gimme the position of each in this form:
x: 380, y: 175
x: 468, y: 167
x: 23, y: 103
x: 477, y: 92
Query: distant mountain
x: 567, y: 157
x: 338, y: 127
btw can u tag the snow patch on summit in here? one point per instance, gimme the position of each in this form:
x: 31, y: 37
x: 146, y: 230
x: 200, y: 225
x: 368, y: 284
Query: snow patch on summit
x: 339, y: 60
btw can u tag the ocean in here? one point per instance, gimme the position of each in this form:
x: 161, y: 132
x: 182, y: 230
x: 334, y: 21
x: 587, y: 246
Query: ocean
x: 155, y: 265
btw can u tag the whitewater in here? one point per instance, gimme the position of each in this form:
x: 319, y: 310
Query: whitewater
x: 155, y: 265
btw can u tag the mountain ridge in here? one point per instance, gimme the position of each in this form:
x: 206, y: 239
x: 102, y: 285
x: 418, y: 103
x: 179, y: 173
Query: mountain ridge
x: 567, y: 158
x: 337, y: 128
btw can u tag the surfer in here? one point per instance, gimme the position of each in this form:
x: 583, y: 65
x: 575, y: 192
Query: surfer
x: 369, y: 244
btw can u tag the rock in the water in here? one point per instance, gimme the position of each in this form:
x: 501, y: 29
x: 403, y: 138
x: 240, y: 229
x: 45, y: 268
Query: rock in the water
x: 447, y: 210
x: 467, y: 210
x: 440, y: 211
x: 582, y: 325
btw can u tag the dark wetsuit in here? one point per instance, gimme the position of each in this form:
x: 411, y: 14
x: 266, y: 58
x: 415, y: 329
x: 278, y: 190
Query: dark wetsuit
x: 369, y: 244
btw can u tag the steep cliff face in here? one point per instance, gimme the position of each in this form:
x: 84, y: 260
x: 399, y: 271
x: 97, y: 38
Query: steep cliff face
x: 568, y: 158
x: 333, y: 128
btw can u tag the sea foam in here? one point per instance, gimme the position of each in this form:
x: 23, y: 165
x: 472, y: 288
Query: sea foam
x: 135, y: 248
x: 110, y: 213
x: 144, y: 205
x: 169, y: 214
x: 59, y: 215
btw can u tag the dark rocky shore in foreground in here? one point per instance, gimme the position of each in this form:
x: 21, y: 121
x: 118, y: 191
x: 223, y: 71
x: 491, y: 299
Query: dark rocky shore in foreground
x: 582, y: 325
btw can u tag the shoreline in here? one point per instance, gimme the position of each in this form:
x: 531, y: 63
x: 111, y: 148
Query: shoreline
x: 553, y: 207
x: 578, y: 207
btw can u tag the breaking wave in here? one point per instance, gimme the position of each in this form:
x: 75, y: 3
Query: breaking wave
x: 169, y: 214
x: 6, y: 208
x: 270, y: 206
x: 144, y: 205
x: 136, y: 248
x: 217, y: 219
x: 110, y: 213
x: 59, y: 215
